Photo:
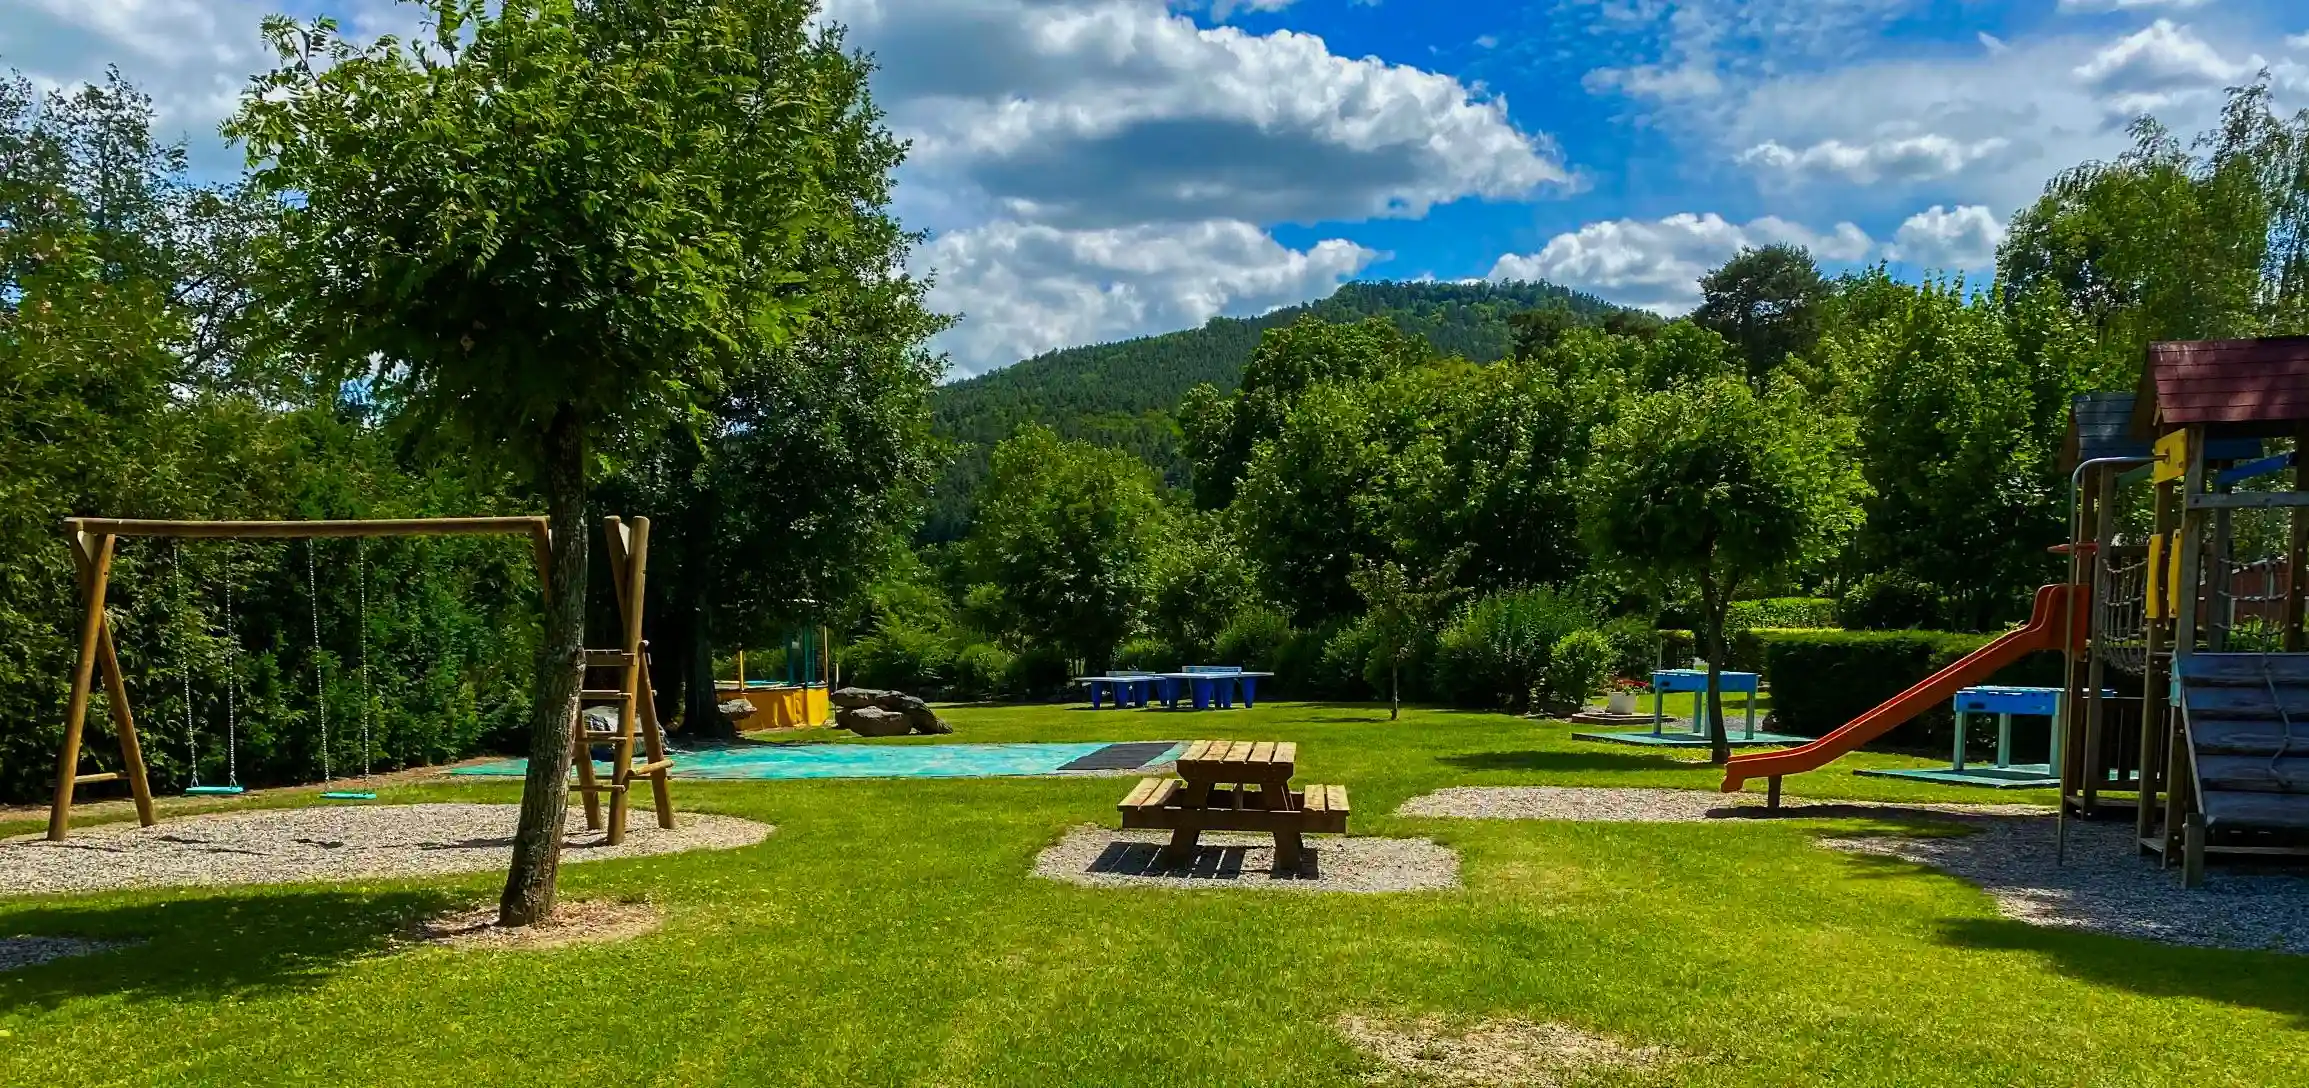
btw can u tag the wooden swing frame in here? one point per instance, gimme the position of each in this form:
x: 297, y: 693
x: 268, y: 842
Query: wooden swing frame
x: 94, y: 541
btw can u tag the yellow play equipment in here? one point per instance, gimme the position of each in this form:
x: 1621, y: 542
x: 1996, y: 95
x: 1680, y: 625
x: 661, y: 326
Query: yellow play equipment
x: 794, y: 702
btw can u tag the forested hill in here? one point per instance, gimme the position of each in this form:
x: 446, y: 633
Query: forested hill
x: 1123, y: 394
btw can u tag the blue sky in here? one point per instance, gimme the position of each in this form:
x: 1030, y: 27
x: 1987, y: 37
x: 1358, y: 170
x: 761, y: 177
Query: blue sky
x: 1095, y: 169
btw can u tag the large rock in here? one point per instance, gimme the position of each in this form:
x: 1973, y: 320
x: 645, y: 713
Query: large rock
x: 873, y: 721
x: 601, y: 719
x: 918, y: 716
x: 854, y: 698
x: 737, y: 709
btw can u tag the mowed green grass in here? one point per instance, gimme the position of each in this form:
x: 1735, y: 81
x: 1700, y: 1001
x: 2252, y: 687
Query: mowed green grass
x: 890, y: 934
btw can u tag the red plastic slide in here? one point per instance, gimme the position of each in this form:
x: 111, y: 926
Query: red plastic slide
x: 2042, y: 632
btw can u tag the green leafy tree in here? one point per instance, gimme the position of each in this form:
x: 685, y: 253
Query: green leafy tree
x: 554, y: 222
x: 1961, y: 402
x: 2170, y: 242
x: 1065, y: 532
x: 1767, y: 303
x: 1404, y: 609
x: 1289, y: 361
x: 1200, y: 579
x: 1708, y: 487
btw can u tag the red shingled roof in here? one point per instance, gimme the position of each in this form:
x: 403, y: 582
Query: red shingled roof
x: 2230, y: 381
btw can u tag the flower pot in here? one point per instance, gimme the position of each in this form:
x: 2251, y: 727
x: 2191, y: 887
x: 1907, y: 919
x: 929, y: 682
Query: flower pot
x: 1621, y: 702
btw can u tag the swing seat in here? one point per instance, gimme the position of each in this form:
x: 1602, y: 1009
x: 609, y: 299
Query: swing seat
x: 213, y: 791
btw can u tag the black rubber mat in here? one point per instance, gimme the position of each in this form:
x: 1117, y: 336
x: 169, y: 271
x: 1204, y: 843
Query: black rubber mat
x: 1123, y: 757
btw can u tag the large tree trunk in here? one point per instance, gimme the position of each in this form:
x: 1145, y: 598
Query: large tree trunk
x: 702, y: 711
x: 529, y: 886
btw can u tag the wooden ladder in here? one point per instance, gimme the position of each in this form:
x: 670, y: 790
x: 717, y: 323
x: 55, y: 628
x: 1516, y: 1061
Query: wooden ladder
x: 625, y: 685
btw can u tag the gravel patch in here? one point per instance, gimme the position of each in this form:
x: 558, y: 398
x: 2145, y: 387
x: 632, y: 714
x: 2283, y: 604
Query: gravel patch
x: 1610, y: 805
x: 1486, y: 1053
x: 574, y: 921
x: 2106, y: 887
x: 352, y: 842
x: 1103, y: 857
x: 20, y: 952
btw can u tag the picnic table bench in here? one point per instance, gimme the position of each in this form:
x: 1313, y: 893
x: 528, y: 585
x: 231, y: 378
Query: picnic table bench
x: 1214, y: 792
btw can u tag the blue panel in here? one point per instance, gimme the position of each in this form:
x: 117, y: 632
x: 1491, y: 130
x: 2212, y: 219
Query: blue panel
x: 1673, y: 680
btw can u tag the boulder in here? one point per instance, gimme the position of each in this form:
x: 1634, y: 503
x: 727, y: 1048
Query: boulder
x: 855, y: 698
x: 872, y: 721
x: 918, y: 715
x: 737, y: 710
x: 601, y: 719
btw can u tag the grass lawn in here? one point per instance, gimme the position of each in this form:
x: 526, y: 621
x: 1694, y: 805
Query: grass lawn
x: 889, y: 934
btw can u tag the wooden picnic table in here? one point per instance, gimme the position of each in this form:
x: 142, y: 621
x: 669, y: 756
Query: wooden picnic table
x: 1214, y: 792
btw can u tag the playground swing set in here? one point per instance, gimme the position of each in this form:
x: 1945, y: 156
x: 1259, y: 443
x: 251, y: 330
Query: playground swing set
x: 624, y: 671
x: 2214, y: 644
x: 232, y: 786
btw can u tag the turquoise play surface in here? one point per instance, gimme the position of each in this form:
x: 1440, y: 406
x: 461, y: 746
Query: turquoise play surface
x: 759, y: 761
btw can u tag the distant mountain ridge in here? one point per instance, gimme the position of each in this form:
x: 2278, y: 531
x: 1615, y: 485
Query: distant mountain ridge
x: 1123, y: 394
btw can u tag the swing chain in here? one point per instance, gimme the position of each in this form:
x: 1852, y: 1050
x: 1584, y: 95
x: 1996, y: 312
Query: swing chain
x: 320, y: 689
x: 184, y: 666
x: 232, y: 718
x: 368, y: 692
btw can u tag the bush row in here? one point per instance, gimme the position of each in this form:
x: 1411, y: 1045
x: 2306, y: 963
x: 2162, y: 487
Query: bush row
x: 1821, y: 679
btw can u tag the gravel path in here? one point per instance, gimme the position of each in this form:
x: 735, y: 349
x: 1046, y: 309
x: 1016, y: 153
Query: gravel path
x: 19, y: 952
x: 1103, y: 857
x: 2105, y: 887
x: 1606, y: 805
x: 276, y: 846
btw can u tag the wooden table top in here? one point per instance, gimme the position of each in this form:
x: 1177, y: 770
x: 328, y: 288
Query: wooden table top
x: 1252, y: 761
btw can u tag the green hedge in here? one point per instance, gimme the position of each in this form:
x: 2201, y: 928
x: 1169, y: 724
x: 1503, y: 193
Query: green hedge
x: 1821, y: 679
x: 1782, y: 612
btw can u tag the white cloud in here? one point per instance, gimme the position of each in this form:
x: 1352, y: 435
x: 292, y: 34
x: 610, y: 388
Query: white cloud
x: 1095, y: 113
x: 1992, y: 43
x: 1026, y: 288
x: 192, y: 56
x: 1957, y: 239
x: 2159, y: 65
x: 1901, y: 158
x: 1052, y: 137
x: 2298, y: 41
x: 2072, y: 6
x: 1657, y: 264
x: 1225, y: 9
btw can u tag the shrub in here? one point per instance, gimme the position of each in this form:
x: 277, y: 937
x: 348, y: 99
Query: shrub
x: 981, y: 671
x: 1254, y: 639
x: 1823, y: 679
x: 1344, y: 669
x: 1577, y: 667
x: 1810, y: 612
x: 1889, y: 600
x: 904, y: 658
x: 1495, y: 651
x: 1298, y: 662
x: 1039, y: 672
x: 1151, y: 655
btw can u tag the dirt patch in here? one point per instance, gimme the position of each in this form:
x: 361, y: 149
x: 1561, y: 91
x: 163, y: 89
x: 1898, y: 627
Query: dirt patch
x: 574, y: 922
x: 1502, y: 1052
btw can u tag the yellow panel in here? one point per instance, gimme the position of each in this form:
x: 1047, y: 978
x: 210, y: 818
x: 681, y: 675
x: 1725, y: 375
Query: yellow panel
x: 2173, y: 576
x: 2172, y: 457
x: 2155, y: 605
